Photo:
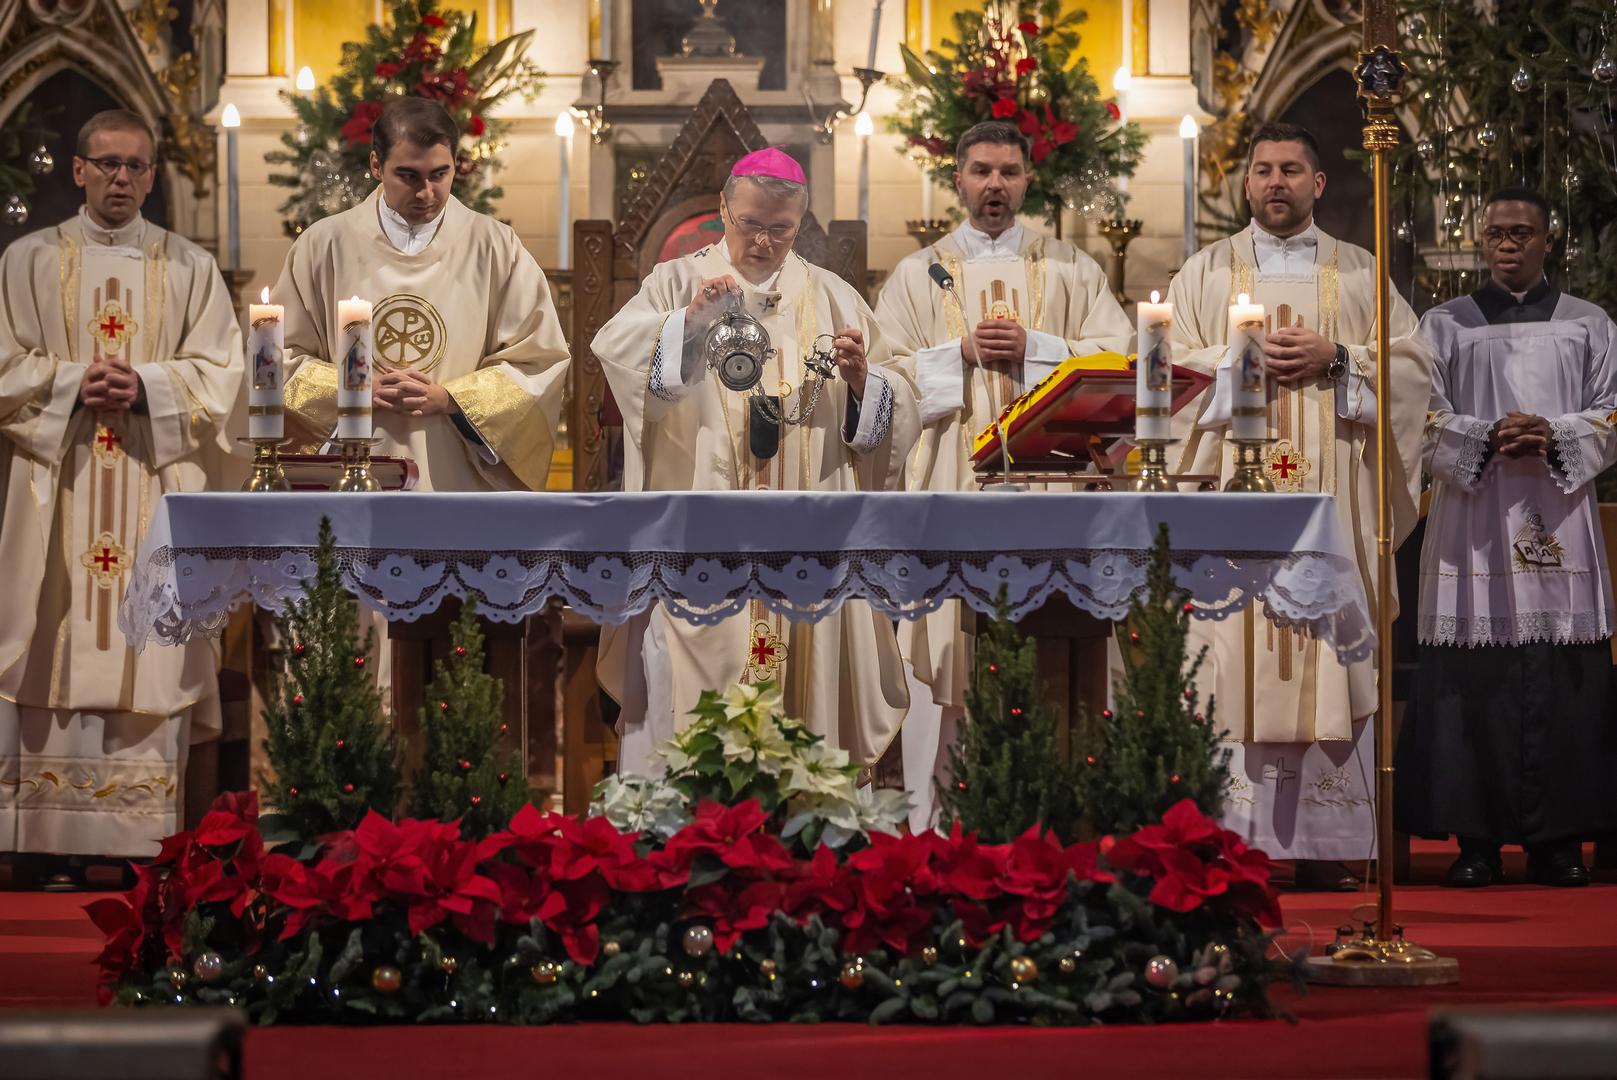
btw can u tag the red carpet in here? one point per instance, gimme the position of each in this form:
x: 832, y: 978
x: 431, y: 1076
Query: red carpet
x: 1518, y: 946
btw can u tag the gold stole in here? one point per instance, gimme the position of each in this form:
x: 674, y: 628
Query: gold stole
x: 1303, y: 456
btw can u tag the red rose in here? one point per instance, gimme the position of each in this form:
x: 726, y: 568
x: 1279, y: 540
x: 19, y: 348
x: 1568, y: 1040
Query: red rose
x: 1113, y: 111
x: 387, y: 69
x: 475, y: 126
x: 1003, y: 108
x: 1026, y: 64
x: 1028, y: 27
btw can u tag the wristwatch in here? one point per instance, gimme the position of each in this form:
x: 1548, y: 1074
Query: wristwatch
x: 1339, y: 365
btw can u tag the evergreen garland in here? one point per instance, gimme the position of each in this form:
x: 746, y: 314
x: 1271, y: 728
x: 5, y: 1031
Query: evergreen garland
x: 421, y: 49
x: 332, y: 757
x: 1006, y: 773
x: 1018, y: 61
x: 464, y: 772
x: 1157, y: 748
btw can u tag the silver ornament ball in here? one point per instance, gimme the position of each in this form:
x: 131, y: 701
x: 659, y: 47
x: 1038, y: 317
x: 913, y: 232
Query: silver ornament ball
x: 1572, y: 254
x: 1405, y: 232
x: 208, y: 967
x: 16, y: 211
x: 1605, y: 69
x: 1161, y: 971
x: 698, y: 941
x: 1556, y: 223
x: 1572, y: 180
x: 41, y: 161
x: 1522, y: 81
x: 1487, y: 135
x: 1425, y: 149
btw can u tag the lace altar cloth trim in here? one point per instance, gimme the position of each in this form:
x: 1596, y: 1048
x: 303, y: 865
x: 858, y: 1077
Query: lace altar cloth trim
x: 183, y: 585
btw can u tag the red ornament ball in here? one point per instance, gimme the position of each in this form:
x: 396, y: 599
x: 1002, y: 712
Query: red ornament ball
x: 297, y: 699
x: 1089, y: 761
x: 298, y: 648
x: 464, y: 764
x: 1106, y: 714
x: 1200, y: 719
x: 1134, y: 635
x: 1174, y: 779
x: 443, y: 706
x: 505, y: 727
x: 348, y: 789
x: 1016, y: 712
x: 961, y: 784
x: 476, y: 800
x: 460, y: 650
x: 502, y: 778
x: 341, y: 743
x: 993, y: 667
x: 292, y: 791
x: 1189, y: 608
x: 359, y: 661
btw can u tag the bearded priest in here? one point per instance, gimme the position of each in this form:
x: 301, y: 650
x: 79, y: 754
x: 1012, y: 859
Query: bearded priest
x: 686, y: 431
x: 1023, y: 303
x: 120, y: 369
x: 470, y: 363
x: 1296, y: 718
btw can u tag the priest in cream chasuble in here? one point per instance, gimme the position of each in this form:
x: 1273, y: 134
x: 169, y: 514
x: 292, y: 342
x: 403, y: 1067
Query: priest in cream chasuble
x: 470, y: 363
x: 1023, y: 303
x: 120, y: 369
x: 1297, y: 718
x: 685, y: 431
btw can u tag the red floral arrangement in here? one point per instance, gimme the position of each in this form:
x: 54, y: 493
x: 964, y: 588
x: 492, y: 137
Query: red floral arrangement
x: 215, y: 916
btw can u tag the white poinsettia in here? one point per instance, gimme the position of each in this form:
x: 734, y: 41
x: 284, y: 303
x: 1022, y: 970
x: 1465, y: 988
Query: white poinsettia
x: 640, y: 804
x: 882, y: 810
x: 755, y: 705
x: 761, y: 742
x: 818, y: 769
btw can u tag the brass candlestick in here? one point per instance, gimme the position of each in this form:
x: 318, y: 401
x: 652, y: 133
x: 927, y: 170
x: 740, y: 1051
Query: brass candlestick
x: 1118, y: 233
x: 1154, y: 466
x: 1249, y: 467
x: 356, y: 466
x: 928, y: 231
x: 267, y: 474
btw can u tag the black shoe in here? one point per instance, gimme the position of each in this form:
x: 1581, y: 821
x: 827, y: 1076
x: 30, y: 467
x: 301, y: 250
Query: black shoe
x: 1323, y: 875
x: 1560, y: 865
x: 1475, y: 869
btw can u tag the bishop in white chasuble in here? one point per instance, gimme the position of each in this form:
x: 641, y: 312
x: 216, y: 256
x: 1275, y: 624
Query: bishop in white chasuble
x: 1295, y: 716
x: 685, y: 431
x: 968, y: 364
x: 459, y: 302
x: 93, y: 736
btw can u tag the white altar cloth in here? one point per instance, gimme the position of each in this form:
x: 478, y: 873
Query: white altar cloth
x: 705, y: 555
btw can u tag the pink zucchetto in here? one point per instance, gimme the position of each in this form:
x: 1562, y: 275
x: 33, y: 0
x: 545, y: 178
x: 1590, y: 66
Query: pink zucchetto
x: 770, y: 161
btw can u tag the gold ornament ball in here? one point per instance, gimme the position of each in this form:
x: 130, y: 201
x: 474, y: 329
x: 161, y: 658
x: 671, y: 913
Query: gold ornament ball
x: 686, y: 979
x: 1160, y: 971
x: 929, y: 955
x: 853, y: 974
x: 767, y: 968
x: 1068, y: 965
x: 386, y: 979
x: 611, y: 949
x: 545, y: 972
x: 698, y: 940
x: 208, y: 967
x: 448, y: 965
x: 260, y: 973
x: 1024, y: 969
x: 177, y: 978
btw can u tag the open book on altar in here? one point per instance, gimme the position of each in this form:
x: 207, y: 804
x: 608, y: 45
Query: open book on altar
x: 1081, y: 412
x: 317, y: 472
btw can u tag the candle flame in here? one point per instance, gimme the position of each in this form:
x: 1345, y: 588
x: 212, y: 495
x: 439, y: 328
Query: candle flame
x: 1188, y: 128
x: 355, y: 299
x: 863, y: 125
x: 1156, y: 297
x: 263, y: 296
x: 1243, y: 299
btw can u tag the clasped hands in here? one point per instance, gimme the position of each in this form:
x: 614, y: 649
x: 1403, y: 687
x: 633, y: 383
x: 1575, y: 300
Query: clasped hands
x: 109, y: 385
x: 848, y: 350
x: 1519, y: 435
x: 408, y: 393
x: 1296, y: 356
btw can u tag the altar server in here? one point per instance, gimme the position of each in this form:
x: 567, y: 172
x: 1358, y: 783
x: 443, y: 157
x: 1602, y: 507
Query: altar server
x: 1297, y: 718
x: 1022, y: 303
x: 685, y: 431
x: 1510, y: 737
x: 120, y: 365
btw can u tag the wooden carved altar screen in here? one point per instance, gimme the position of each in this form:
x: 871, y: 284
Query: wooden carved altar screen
x: 666, y: 218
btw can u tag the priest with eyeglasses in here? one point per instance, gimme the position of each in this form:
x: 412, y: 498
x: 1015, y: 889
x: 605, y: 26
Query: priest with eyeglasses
x: 828, y: 410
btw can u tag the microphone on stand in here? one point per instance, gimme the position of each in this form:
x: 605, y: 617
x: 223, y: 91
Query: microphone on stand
x: 946, y: 282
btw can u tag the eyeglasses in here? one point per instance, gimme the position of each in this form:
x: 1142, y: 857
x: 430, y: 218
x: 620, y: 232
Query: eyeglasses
x: 1520, y: 234
x: 110, y: 166
x: 751, y: 230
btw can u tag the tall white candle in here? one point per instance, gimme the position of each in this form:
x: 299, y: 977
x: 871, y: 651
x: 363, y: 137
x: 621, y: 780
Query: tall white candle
x: 265, y: 344
x: 1153, y: 378
x: 1249, y: 415
x: 875, y: 32
x: 230, y: 120
x: 863, y: 127
x: 926, y: 193
x: 1190, y: 134
x: 606, y: 31
x: 1121, y: 81
x: 564, y: 150
x: 355, y: 350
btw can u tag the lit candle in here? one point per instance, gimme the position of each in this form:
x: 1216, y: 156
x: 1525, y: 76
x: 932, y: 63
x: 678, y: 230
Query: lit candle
x: 305, y: 81
x: 1249, y: 415
x: 1153, y: 377
x: 926, y: 193
x: 606, y: 31
x: 230, y: 120
x: 863, y: 126
x: 875, y: 31
x: 265, y: 342
x: 564, y: 135
x: 355, y: 348
x: 1121, y: 81
x: 1190, y: 133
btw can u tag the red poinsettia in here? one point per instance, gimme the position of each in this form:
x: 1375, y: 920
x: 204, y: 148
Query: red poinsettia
x: 1027, y: 65
x: 357, y: 130
x: 475, y: 126
x: 733, y: 907
x: 1113, y: 111
x: 1193, y: 860
x: 1028, y: 27
x: 1003, y: 108
x: 434, y: 21
x: 387, y: 69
